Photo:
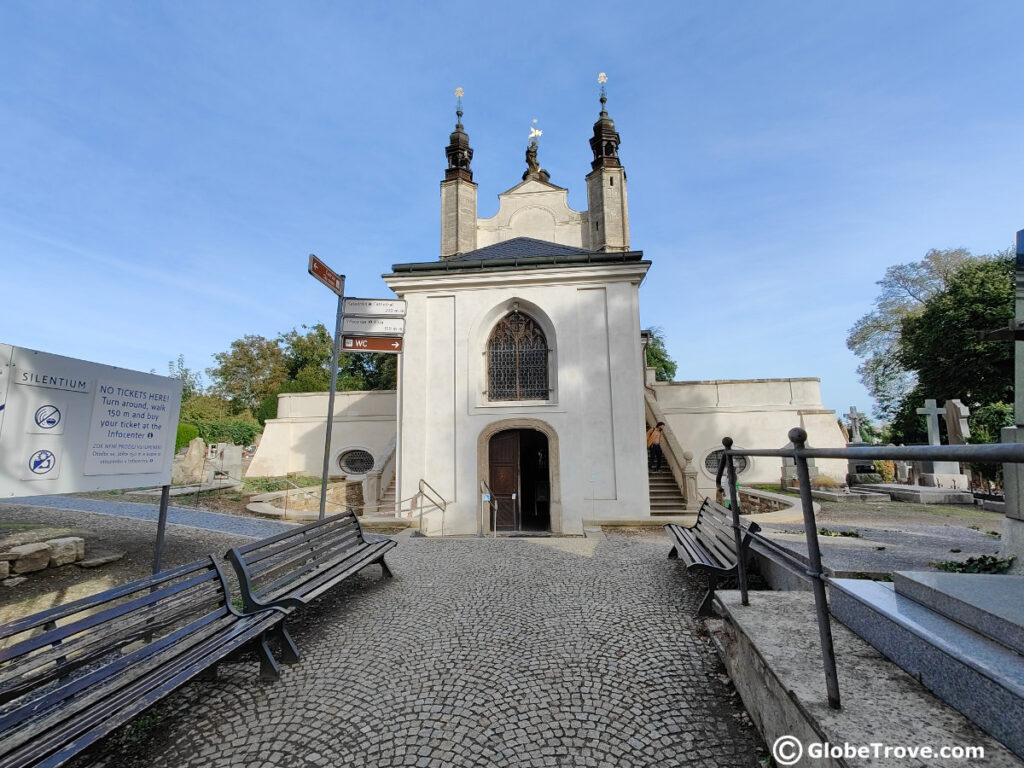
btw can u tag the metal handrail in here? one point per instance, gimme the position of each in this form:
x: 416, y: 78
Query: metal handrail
x: 438, y: 502
x: 1012, y: 453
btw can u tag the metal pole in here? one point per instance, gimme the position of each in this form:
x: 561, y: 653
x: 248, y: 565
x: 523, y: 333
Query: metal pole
x: 330, y: 399
x: 798, y: 437
x: 734, y: 502
x: 161, y: 527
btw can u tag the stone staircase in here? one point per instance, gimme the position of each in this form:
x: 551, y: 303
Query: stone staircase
x: 960, y: 635
x: 666, y: 498
x: 387, y: 502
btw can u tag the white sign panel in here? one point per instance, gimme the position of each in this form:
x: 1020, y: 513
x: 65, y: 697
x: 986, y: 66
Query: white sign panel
x: 387, y: 326
x: 70, y: 425
x: 375, y: 307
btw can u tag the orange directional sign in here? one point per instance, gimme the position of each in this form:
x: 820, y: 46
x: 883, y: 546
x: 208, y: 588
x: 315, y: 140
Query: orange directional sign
x: 372, y: 344
x: 326, y: 275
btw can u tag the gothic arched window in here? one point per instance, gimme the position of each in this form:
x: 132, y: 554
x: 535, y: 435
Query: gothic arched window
x: 517, y: 359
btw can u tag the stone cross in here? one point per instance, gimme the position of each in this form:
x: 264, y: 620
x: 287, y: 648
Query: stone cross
x: 956, y: 414
x: 931, y: 412
x: 855, y: 418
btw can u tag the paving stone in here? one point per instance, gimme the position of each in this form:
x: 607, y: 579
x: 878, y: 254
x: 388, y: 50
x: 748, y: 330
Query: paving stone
x: 508, y: 652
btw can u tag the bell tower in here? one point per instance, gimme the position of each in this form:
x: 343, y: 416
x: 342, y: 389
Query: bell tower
x: 607, y: 207
x: 458, y: 192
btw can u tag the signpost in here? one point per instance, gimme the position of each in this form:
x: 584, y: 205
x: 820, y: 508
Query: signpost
x: 374, y: 326
x: 336, y: 283
x: 388, y: 344
x: 377, y: 325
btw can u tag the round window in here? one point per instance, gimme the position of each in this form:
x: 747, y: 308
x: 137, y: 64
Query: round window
x: 714, y: 459
x: 357, y: 462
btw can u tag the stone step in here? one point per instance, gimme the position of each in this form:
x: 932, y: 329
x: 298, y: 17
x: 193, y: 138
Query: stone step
x: 979, y: 677
x: 988, y: 603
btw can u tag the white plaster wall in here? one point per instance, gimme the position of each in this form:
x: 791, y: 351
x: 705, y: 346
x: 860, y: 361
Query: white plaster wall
x: 533, y: 209
x: 591, y: 319
x: 755, y: 413
x: 294, y: 441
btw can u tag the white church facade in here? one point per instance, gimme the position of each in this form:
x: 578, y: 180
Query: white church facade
x: 523, y: 375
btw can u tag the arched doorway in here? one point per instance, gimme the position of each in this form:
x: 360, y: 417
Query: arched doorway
x: 520, y: 480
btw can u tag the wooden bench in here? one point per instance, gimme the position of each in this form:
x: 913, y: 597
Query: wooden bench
x: 709, y: 546
x: 290, y: 569
x: 72, y: 674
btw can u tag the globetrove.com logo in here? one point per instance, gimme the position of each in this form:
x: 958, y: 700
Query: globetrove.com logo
x: 788, y: 750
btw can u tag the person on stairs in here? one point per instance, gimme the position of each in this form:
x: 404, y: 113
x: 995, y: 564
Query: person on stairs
x: 654, y: 437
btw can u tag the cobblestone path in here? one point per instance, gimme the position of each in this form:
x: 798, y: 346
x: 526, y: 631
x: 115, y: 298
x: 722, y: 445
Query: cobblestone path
x: 514, y: 652
x: 196, y: 518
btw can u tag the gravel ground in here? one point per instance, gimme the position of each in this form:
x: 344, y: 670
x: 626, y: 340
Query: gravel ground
x: 102, y: 533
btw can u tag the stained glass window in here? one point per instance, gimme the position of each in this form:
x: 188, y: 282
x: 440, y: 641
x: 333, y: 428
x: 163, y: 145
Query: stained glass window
x: 517, y: 359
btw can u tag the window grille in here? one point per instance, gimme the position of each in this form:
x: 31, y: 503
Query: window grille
x: 517, y: 359
x: 715, y: 457
x: 356, y: 462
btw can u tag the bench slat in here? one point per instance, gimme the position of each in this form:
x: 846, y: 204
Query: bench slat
x: 298, y: 540
x: 295, y: 582
x: 342, y: 569
x: 301, y: 553
x: 292, y: 532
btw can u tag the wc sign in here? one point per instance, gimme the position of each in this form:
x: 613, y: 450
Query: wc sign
x: 70, y: 425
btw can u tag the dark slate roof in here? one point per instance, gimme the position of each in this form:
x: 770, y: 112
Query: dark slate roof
x: 519, y: 248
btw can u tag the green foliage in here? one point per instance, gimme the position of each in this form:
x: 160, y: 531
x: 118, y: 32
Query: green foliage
x: 875, y: 337
x: 944, y: 343
x: 205, y: 408
x: 658, y: 358
x: 253, y: 368
x: 238, y: 430
x: 846, y: 534
x: 186, y: 434
x: 979, y: 564
x: 191, y: 381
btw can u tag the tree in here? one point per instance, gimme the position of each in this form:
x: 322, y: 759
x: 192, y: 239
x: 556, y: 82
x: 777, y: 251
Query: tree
x: 875, y: 337
x: 253, y: 368
x: 658, y: 358
x: 944, y: 345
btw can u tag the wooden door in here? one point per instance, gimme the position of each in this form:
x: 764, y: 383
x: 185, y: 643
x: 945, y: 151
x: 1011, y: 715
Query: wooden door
x: 504, y: 479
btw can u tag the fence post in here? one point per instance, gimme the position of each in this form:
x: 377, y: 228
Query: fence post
x: 798, y: 437
x: 734, y: 502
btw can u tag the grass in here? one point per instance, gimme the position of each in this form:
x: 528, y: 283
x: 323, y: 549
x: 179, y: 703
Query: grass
x: 774, y: 488
x: 269, y: 484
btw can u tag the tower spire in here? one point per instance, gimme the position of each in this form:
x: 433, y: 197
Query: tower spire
x: 605, y: 141
x: 458, y: 151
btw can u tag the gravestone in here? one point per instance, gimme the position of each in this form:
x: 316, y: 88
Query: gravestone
x: 859, y: 471
x: 789, y: 478
x: 941, y: 474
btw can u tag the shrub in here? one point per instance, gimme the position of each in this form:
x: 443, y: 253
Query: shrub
x: 824, y: 481
x: 186, y: 434
x: 979, y: 564
x: 238, y: 431
x: 887, y: 469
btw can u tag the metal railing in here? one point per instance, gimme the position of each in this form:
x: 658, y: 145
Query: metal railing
x: 492, y: 508
x: 438, y: 501
x: 1010, y: 453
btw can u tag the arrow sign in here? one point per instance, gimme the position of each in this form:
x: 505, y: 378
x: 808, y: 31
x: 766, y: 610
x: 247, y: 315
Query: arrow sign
x: 391, y: 344
x: 375, y: 307
x: 374, y: 326
x: 326, y: 275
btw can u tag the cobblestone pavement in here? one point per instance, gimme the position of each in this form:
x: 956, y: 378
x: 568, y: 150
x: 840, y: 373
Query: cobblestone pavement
x: 508, y: 652
x: 197, y: 518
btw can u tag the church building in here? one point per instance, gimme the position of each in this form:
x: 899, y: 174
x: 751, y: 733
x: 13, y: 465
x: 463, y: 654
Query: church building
x: 524, y: 398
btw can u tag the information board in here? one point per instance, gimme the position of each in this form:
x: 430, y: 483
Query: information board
x: 70, y: 425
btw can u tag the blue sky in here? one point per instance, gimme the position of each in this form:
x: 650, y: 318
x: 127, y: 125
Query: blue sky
x: 165, y: 168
